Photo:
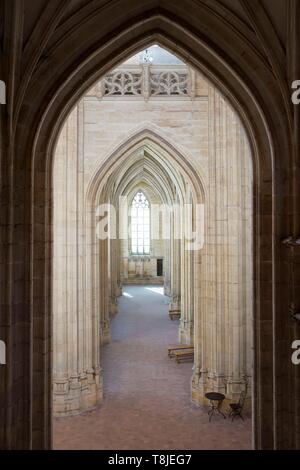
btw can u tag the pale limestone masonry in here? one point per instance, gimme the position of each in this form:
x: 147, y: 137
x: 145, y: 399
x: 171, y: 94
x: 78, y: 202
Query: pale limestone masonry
x: 52, y: 52
x: 183, y: 146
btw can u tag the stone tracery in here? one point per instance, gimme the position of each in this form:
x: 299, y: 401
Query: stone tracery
x: 148, y: 81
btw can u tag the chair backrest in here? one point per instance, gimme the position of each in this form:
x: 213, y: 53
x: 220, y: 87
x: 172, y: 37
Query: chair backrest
x: 242, y: 399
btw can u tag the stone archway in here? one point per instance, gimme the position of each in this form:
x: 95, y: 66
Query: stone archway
x: 243, y: 77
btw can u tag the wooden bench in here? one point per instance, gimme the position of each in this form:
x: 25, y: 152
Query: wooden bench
x: 178, y: 347
x: 183, y: 355
x: 174, y: 315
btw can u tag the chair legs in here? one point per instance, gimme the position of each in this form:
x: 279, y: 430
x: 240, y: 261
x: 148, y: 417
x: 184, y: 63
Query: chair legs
x: 214, y: 409
x: 233, y: 414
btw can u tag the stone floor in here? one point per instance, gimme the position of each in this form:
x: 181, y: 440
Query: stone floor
x: 146, y: 394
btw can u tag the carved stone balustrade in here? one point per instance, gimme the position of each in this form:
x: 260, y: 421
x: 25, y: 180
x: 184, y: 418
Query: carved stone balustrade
x: 148, y: 81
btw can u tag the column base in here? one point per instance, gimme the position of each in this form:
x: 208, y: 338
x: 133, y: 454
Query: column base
x: 113, y: 306
x: 175, y: 309
x: 105, y: 335
x: 186, y: 332
x: 77, y: 394
x: 119, y: 290
x: 174, y: 314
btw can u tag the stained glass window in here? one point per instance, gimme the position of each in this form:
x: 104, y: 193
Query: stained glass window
x: 140, y: 225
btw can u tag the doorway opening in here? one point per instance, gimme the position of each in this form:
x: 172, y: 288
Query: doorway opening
x: 153, y: 187
x: 159, y: 267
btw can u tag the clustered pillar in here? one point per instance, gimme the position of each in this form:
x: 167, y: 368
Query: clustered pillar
x: 223, y: 336
x: 77, y: 382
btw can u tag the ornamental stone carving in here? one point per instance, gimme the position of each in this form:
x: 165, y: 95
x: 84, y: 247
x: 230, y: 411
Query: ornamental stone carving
x: 169, y: 83
x: 123, y: 83
x: 147, y: 81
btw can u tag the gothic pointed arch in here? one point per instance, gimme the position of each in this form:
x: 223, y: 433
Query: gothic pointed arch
x: 73, y: 52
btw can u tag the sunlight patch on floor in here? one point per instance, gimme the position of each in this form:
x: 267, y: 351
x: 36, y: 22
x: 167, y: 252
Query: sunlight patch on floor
x: 157, y: 290
x: 127, y: 295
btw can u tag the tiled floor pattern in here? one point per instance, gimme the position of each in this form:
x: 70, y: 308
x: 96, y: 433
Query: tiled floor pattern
x: 147, y: 395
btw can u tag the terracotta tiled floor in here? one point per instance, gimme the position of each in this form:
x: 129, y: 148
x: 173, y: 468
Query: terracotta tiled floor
x: 147, y: 395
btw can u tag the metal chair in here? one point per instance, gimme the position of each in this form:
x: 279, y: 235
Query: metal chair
x: 237, y: 408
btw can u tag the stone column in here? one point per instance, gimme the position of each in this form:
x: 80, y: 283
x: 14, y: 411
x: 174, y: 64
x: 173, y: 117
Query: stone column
x: 225, y: 362
x: 167, y: 266
x: 240, y: 273
x: 118, y: 287
x: 168, y: 256
x: 60, y: 333
x: 105, y: 336
x: 175, y: 262
x: 203, y: 334
x: 114, y: 259
x: 113, y: 276
x: 186, y: 329
x: 76, y: 372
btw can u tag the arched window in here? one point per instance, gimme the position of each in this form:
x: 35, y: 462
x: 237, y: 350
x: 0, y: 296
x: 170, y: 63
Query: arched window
x: 140, y: 225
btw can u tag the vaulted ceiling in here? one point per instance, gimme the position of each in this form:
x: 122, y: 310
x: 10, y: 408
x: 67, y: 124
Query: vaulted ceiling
x: 67, y: 10
x: 40, y: 27
x: 147, y: 166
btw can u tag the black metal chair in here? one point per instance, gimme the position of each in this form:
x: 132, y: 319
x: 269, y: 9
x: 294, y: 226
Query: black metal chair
x: 237, y: 408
